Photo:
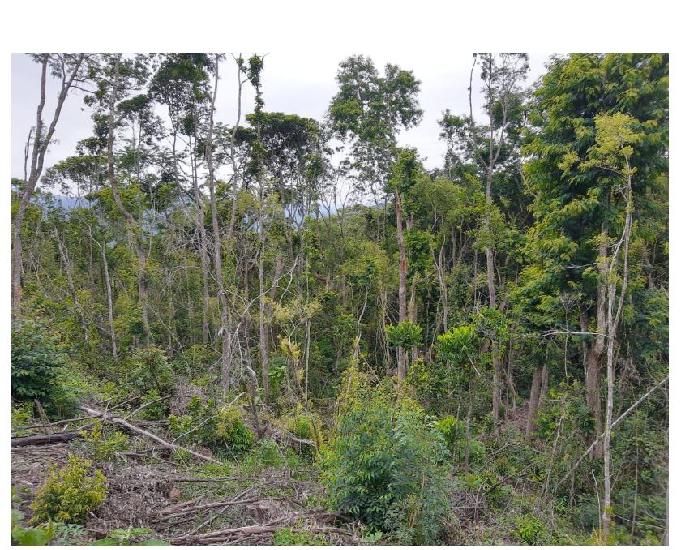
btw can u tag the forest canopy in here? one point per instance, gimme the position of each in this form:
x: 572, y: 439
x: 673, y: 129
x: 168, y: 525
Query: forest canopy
x: 473, y: 353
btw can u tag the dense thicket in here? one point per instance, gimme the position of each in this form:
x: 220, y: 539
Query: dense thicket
x: 480, y: 339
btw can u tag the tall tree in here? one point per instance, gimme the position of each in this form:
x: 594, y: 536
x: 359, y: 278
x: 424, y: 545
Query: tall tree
x: 71, y: 70
x: 369, y: 111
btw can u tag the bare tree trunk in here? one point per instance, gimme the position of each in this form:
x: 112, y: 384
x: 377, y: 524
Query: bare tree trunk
x: 262, y: 331
x: 593, y: 365
x: 38, y: 150
x: 533, y: 403
x: 109, y: 301
x: 613, y: 318
x: 444, y: 297
x: 225, y: 332
x: 203, y: 252
x: 402, y: 294
x: 66, y: 263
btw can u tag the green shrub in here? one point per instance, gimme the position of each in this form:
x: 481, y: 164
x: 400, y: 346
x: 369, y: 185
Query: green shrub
x: 37, y: 363
x: 69, y: 493
x: 299, y: 537
x: 194, y: 361
x: 22, y: 414
x: 529, y: 529
x: 265, y: 455
x: 231, y: 431
x: 102, y: 443
x: 219, y: 429
x: 147, y: 369
x: 385, y: 463
x: 132, y: 536
x: 29, y: 536
x: 452, y: 429
x: 305, y: 425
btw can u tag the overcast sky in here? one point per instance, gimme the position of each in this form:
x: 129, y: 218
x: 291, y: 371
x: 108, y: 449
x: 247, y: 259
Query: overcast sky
x: 288, y: 86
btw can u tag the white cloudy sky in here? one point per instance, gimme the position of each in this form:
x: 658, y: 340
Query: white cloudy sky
x: 288, y: 87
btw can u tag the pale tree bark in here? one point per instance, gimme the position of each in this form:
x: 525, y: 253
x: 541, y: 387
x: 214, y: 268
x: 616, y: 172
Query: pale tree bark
x: 402, y: 293
x: 444, y: 291
x: 613, y: 319
x: 225, y: 332
x: 68, y: 271
x: 533, y: 403
x: 133, y: 228
x: 41, y: 142
x: 109, y: 300
x: 199, y: 216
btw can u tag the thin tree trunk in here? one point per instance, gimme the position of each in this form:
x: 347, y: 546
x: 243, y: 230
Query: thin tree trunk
x: 109, y: 301
x: 40, y: 145
x: 613, y: 318
x: 533, y: 404
x: 203, y: 252
x: 593, y: 366
x: 132, y: 226
x: 66, y: 263
x: 402, y: 293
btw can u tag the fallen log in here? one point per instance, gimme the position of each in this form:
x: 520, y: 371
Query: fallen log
x: 139, y: 431
x: 44, y: 439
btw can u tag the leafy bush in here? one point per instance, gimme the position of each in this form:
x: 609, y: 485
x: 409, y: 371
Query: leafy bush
x: 452, y: 429
x: 221, y: 431
x: 22, y: 413
x: 194, y: 361
x: 132, y: 536
x: 69, y: 493
x: 265, y: 455
x: 305, y: 425
x: 147, y: 369
x: 529, y: 529
x: 104, y: 444
x: 231, y: 432
x: 404, y: 333
x: 37, y: 363
x: 29, y: 536
x: 385, y: 463
x: 288, y: 537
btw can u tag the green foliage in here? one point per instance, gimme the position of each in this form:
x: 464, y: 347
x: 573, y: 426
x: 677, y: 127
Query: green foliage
x: 305, y: 425
x: 266, y: 454
x: 232, y: 432
x: 146, y: 370
x: 452, y: 430
x: 103, y: 444
x: 29, y: 536
x: 385, y: 463
x: 194, y: 361
x: 458, y: 345
x: 531, y: 530
x: 222, y: 429
x: 405, y: 334
x: 132, y: 536
x: 69, y: 493
x: 287, y: 536
x: 22, y: 413
x: 68, y: 534
x: 37, y: 363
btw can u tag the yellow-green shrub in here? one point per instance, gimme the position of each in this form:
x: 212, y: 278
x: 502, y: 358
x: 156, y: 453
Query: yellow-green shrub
x: 305, y: 425
x: 220, y: 429
x: 69, y: 493
x: 103, y: 445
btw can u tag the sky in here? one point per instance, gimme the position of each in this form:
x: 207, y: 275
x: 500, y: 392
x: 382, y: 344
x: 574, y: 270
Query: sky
x: 289, y: 86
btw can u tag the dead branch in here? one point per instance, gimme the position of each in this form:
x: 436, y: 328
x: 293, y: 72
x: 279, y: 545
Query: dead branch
x: 139, y: 431
x: 45, y: 439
